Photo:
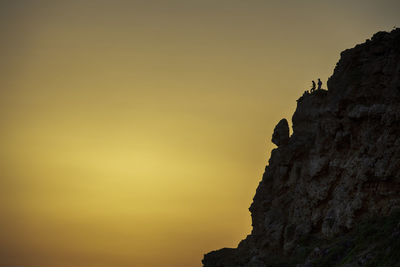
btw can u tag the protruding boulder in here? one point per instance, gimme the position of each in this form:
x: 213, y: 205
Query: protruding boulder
x: 281, y: 133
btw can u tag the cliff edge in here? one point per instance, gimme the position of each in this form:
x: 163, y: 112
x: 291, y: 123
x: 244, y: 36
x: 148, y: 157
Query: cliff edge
x: 339, y: 168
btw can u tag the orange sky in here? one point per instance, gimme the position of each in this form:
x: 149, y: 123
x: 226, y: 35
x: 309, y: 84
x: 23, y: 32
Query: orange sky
x: 134, y: 133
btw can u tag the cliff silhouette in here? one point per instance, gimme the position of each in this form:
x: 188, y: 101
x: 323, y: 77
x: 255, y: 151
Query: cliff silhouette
x: 330, y: 194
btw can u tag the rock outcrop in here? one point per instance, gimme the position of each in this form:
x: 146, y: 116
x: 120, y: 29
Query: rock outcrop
x: 281, y: 133
x: 340, y: 166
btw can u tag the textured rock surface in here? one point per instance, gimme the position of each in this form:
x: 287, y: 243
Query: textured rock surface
x: 340, y: 165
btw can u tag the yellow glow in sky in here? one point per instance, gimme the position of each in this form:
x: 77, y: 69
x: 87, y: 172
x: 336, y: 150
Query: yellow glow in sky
x: 134, y: 133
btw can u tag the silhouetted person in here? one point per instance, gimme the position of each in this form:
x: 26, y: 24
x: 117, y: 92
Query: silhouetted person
x: 319, y: 84
x: 313, y: 87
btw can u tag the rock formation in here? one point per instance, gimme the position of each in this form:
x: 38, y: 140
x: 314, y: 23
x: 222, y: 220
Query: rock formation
x: 281, y: 133
x: 340, y: 166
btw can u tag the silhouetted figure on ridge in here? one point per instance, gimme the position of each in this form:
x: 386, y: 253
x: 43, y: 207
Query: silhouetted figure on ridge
x: 313, y: 87
x: 319, y: 84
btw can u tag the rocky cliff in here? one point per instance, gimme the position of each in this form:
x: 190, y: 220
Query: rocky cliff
x: 340, y: 166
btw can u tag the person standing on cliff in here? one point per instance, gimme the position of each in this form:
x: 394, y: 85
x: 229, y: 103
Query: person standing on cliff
x: 313, y: 87
x: 319, y: 84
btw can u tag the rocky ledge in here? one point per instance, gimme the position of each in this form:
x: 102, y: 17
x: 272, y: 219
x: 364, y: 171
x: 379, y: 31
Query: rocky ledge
x: 340, y: 167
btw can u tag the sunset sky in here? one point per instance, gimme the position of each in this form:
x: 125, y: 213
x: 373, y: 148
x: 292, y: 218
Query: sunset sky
x: 135, y: 133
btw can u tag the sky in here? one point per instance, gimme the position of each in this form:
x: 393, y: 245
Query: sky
x: 135, y: 133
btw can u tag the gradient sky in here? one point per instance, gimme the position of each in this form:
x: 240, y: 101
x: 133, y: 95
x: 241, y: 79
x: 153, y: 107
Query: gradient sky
x: 134, y: 133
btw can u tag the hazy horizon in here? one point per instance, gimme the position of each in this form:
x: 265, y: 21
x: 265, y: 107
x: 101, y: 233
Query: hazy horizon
x: 135, y: 133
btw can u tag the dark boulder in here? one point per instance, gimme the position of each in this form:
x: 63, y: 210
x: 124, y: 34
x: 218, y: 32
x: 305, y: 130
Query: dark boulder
x: 281, y: 133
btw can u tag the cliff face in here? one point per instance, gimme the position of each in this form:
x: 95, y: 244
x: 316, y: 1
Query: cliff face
x: 340, y: 166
